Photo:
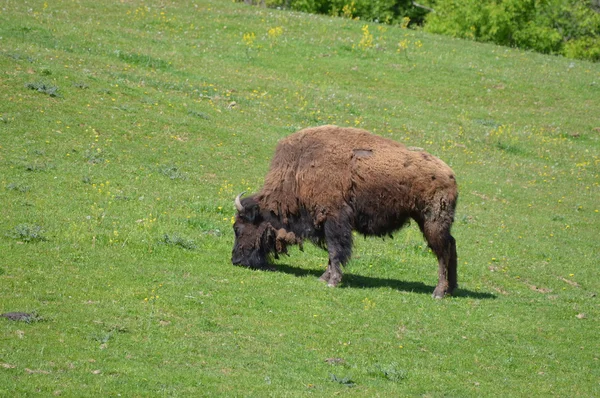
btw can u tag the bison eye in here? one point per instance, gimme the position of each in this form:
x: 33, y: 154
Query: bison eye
x: 237, y: 230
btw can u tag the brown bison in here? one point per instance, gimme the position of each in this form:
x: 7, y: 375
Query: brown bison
x: 327, y: 181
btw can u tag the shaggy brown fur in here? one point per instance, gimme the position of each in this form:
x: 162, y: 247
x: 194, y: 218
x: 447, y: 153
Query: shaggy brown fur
x: 326, y: 181
x: 320, y: 168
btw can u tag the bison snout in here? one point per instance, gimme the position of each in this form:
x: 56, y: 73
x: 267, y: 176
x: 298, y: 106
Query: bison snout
x: 236, y: 260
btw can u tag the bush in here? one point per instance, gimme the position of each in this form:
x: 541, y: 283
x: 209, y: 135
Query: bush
x: 584, y: 48
x: 386, y: 11
x: 567, y: 27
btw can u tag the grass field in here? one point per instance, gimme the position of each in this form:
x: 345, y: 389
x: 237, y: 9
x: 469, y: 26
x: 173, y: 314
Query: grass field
x: 126, y: 130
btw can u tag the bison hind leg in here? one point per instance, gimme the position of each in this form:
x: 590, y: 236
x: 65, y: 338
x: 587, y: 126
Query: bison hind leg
x: 443, y: 245
x: 453, y: 265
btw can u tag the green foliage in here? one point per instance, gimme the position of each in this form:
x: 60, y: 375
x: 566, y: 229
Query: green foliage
x: 172, y: 172
x: 177, y: 240
x: 18, y: 187
x: 390, y: 372
x: 567, y: 27
x: 345, y: 381
x: 42, y: 87
x: 28, y: 233
x: 386, y: 11
x: 584, y: 48
x: 28, y: 317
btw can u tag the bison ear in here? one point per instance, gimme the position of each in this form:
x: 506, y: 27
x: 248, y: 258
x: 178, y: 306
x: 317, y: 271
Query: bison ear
x: 249, y: 209
x: 251, y: 212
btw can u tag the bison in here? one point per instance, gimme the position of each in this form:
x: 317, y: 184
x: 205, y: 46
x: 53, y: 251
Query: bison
x: 324, y: 182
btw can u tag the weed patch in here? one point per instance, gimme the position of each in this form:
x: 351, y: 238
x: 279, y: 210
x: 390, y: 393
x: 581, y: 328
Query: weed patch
x: 28, y: 233
x: 389, y: 372
x: 344, y: 381
x: 18, y: 187
x: 173, y: 173
x: 103, y: 337
x: 200, y: 115
x: 179, y: 241
x: 28, y: 317
x: 44, y: 88
x: 38, y: 166
x: 94, y: 156
x: 19, y: 57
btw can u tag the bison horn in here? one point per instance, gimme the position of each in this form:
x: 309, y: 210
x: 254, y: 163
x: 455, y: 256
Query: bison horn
x: 238, y: 203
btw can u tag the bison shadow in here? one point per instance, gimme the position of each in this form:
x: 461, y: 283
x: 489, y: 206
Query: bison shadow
x: 362, y: 282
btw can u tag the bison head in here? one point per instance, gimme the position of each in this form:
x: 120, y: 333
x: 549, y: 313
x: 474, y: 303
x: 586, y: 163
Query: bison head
x: 255, y: 237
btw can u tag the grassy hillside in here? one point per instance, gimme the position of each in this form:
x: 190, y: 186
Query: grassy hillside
x: 126, y: 130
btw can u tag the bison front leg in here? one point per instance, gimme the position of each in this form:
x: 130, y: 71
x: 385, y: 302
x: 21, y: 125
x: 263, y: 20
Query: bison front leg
x: 338, y: 236
x: 333, y: 274
x: 327, y: 273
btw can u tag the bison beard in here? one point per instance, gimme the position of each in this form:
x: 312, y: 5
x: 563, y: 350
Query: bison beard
x: 327, y: 181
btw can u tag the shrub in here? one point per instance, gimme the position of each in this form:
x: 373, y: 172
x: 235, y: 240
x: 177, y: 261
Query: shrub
x: 387, y: 11
x: 584, y: 48
x: 567, y: 27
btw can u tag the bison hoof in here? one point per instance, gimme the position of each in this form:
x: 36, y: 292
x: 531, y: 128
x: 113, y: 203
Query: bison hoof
x: 332, y: 280
x: 441, y: 292
x: 333, y: 283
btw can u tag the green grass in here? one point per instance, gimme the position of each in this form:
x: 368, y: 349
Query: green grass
x: 126, y: 130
